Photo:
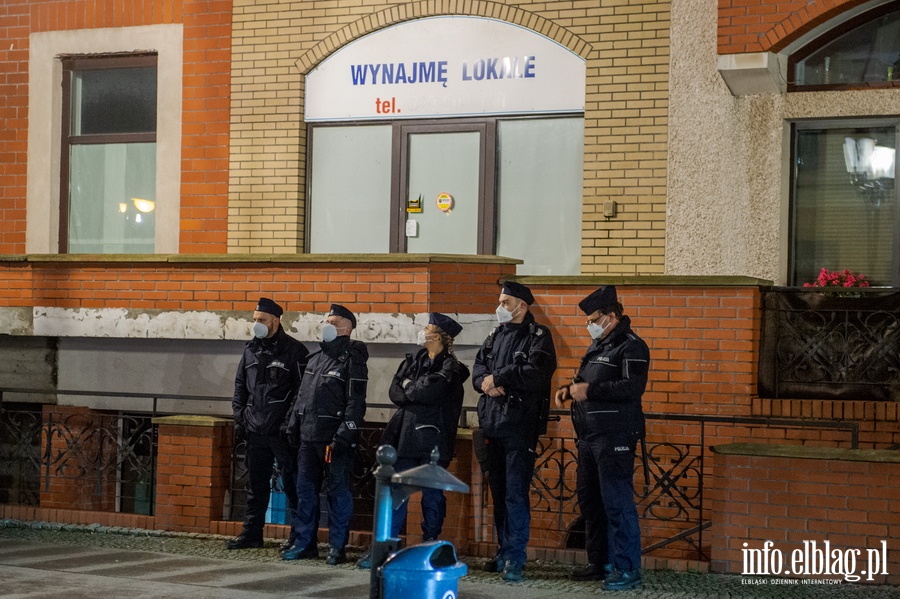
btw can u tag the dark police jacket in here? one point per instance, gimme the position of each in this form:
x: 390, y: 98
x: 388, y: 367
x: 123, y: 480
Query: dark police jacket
x: 522, y: 359
x: 615, y: 368
x: 266, y: 383
x: 429, y: 394
x: 331, y: 403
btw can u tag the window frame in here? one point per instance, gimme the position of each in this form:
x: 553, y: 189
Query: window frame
x: 820, y: 124
x: 486, y: 128
x: 401, y: 129
x: 828, y: 37
x: 96, y: 62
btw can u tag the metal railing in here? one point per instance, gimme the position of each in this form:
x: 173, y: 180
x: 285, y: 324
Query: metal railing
x: 669, y: 494
x: 669, y: 490
x: 830, y: 345
x: 111, y: 457
x: 101, y: 460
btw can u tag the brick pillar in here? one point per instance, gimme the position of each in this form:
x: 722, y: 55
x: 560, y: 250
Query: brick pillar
x: 193, y: 471
x: 458, y: 526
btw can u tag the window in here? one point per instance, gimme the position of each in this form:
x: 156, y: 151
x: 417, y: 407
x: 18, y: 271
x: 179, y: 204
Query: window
x: 449, y: 134
x: 351, y: 178
x: 539, y: 194
x: 862, y: 53
x: 503, y: 186
x: 843, y: 202
x: 108, y: 168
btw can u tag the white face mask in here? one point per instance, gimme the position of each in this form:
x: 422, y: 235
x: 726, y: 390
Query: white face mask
x: 596, y: 331
x: 329, y: 333
x: 422, y: 338
x: 504, y: 315
x: 260, y: 331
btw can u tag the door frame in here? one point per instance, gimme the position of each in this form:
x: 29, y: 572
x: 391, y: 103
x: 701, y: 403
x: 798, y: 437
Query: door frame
x: 487, y: 129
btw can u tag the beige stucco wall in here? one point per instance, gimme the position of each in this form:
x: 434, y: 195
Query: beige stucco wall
x: 724, y: 198
x: 728, y: 170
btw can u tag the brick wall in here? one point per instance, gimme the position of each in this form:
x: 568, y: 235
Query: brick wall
x: 844, y: 497
x: 76, y: 516
x: 703, y: 341
x: 310, y: 284
x: 205, y: 110
x: 769, y: 26
x: 704, y: 344
x: 627, y: 50
x: 243, y: 174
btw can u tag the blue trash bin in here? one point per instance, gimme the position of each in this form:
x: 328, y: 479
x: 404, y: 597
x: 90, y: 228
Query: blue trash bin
x: 426, y: 571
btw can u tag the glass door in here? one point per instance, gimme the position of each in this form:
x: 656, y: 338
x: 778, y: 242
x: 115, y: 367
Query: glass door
x: 442, y: 197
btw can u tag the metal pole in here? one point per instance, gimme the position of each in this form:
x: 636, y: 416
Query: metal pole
x: 382, y: 543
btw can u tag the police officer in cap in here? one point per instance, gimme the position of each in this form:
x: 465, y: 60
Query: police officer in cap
x: 513, y: 371
x: 266, y: 383
x: 606, y: 410
x: 428, y: 390
x: 326, y: 417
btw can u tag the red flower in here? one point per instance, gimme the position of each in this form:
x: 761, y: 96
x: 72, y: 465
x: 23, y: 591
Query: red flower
x: 835, y: 278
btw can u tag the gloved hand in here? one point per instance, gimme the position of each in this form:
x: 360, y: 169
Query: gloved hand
x: 290, y: 437
x: 347, y: 433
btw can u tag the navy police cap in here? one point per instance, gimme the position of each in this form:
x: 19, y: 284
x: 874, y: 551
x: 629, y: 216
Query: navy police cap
x: 518, y: 290
x: 339, y: 310
x: 269, y: 307
x: 445, y: 323
x: 604, y: 299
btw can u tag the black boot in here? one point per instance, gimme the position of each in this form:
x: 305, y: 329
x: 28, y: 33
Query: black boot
x: 591, y: 572
x: 336, y: 556
x: 623, y: 581
x: 295, y: 553
x: 244, y: 541
x: 495, y: 564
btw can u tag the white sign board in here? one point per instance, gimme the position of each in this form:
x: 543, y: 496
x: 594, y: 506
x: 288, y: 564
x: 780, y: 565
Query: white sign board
x: 446, y: 66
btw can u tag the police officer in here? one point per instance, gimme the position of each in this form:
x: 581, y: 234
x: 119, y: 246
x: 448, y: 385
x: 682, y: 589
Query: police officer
x: 266, y: 383
x: 326, y: 418
x: 428, y: 390
x: 512, y: 371
x: 608, y: 419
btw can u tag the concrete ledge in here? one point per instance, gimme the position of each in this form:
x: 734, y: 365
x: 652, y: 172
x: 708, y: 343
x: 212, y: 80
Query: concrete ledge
x: 262, y: 258
x: 644, y: 281
x: 809, y: 453
x: 188, y: 420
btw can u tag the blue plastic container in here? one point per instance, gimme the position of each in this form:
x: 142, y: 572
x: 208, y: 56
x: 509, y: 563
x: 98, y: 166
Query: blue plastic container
x: 426, y: 571
x: 277, y: 512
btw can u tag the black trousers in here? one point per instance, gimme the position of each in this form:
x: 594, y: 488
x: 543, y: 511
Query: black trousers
x: 510, y: 466
x: 263, y: 452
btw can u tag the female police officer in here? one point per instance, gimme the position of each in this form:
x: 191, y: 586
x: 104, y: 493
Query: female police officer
x: 428, y: 389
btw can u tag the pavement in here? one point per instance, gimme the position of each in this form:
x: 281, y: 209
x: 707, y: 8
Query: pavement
x: 46, y: 560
